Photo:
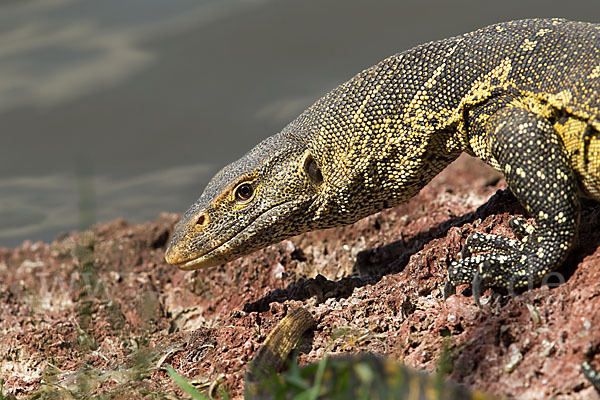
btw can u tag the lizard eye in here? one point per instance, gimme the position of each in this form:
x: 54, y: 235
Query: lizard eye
x: 244, y: 192
x: 312, y: 170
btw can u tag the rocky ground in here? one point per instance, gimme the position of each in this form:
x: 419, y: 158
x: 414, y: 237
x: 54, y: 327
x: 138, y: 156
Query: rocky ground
x: 100, y: 312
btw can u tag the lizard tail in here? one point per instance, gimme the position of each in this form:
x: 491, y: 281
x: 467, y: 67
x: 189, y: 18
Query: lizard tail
x: 271, y: 356
x: 380, y: 377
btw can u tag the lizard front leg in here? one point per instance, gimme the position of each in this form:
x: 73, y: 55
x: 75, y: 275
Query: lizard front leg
x: 537, y: 170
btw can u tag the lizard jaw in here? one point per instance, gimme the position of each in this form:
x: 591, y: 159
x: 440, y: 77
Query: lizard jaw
x: 205, y: 261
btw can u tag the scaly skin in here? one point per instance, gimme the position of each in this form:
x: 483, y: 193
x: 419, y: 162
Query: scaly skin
x: 270, y: 357
x: 523, y: 96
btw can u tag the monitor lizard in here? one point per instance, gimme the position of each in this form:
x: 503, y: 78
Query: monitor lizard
x: 523, y: 96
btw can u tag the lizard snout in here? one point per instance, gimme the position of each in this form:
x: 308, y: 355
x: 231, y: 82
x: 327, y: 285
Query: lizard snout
x: 185, y: 231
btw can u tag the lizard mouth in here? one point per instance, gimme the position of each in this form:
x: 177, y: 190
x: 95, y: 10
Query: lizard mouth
x: 242, y: 242
x: 201, y: 262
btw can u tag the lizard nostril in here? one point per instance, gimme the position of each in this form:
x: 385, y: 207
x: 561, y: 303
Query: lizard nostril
x: 202, y: 220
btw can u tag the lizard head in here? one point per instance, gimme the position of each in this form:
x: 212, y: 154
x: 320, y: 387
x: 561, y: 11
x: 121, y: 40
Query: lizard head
x: 258, y: 200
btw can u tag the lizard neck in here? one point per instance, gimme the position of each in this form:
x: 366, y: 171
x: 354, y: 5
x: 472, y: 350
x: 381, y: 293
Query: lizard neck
x: 382, y: 136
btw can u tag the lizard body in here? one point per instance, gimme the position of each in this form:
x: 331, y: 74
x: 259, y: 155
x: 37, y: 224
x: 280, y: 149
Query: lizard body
x: 524, y: 96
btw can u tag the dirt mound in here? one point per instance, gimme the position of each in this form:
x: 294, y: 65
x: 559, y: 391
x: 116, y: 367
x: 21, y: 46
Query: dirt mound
x: 101, y: 312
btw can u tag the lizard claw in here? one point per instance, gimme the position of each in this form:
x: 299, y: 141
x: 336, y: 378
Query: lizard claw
x: 476, y: 287
x: 465, y: 252
x: 449, y: 289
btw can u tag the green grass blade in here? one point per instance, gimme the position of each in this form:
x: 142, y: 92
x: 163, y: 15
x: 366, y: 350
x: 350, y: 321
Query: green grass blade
x: 185, y: 385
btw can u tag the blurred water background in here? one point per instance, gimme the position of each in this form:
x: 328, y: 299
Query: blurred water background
x: 125, y: 108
